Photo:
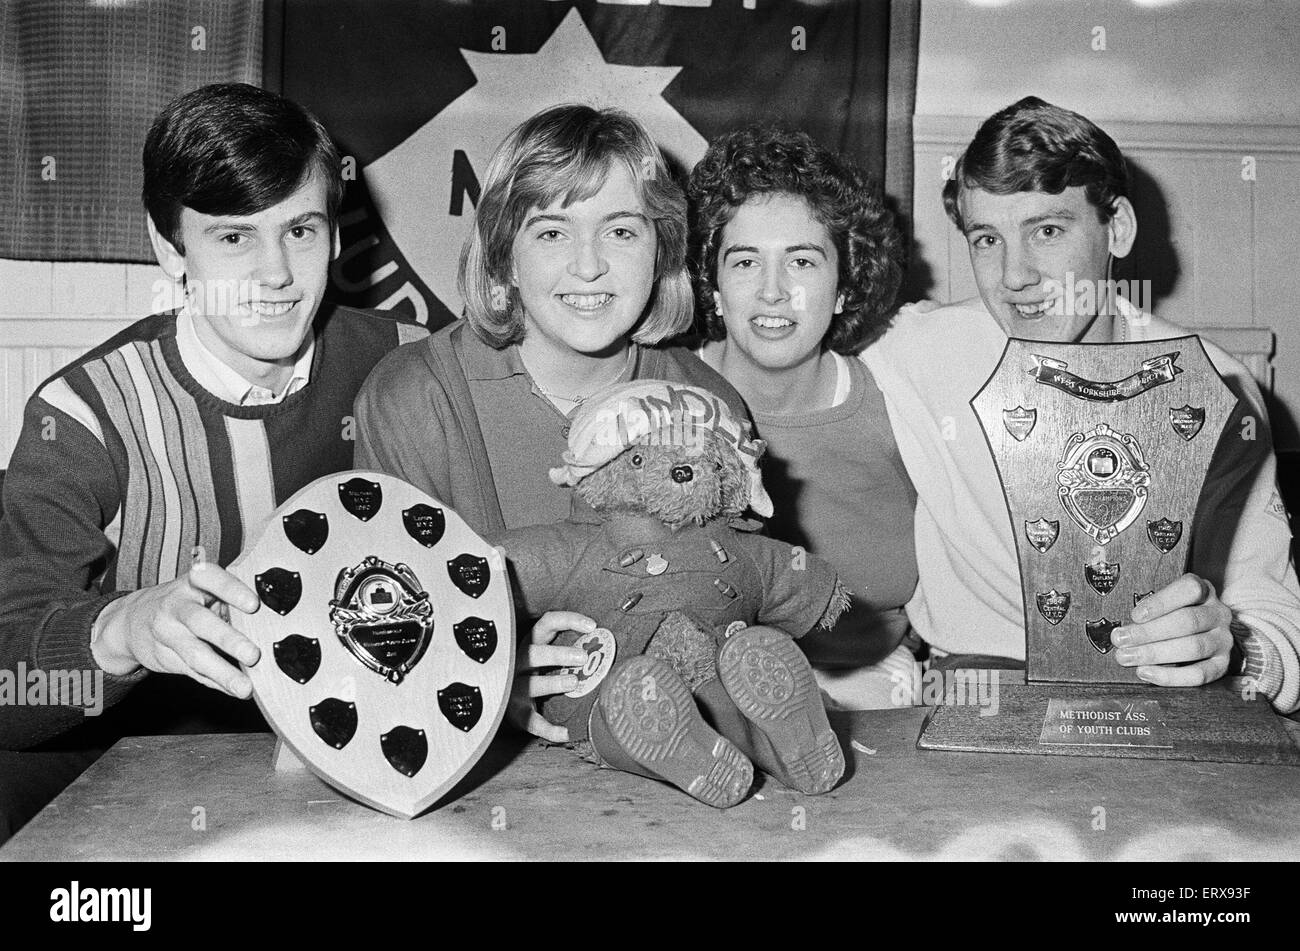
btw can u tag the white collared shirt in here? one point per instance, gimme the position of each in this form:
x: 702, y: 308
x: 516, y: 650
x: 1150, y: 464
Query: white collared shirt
x: 224, y: 382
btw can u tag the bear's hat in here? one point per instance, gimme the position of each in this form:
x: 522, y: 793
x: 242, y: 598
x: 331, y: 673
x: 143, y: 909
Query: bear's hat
x: 656, y: 412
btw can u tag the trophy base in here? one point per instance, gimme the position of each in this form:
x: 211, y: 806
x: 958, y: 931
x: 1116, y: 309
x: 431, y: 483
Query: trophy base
x: 285, y: 760
x: 1212, y: 724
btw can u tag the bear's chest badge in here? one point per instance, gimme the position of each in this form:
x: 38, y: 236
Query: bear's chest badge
x: 656, y: 564
x: 382, y: 616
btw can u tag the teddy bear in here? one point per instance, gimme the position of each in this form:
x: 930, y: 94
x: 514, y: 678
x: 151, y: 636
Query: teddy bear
x: 693, y: 675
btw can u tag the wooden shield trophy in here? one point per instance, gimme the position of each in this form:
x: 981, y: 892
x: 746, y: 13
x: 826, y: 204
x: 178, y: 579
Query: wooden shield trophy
x: 387, y: 638
x: 1101, y: 471
x: 1102, y: 451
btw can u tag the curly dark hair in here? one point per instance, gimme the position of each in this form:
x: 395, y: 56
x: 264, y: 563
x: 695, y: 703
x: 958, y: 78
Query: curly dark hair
x: 764, y: 160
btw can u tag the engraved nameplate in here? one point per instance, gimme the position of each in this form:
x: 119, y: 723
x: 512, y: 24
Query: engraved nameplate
x: 1105, y: 721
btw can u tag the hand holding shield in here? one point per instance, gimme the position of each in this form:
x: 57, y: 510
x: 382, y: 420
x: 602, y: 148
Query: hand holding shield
x: 172, y: 628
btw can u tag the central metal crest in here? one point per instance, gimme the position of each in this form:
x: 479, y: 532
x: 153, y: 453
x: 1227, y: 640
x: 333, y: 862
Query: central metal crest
x: 1103, y: 480
x: 382, y: 616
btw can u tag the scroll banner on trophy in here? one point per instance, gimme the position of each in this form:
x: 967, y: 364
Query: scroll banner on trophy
x: 418, y: 95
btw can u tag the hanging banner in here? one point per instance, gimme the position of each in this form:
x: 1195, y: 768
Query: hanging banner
x: 418, y: 95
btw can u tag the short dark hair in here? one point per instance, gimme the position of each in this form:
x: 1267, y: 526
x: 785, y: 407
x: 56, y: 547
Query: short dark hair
x: 233, y: 149
x: 765, y: 160
x: 1034, y: 146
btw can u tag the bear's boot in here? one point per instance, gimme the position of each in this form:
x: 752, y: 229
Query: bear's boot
x: 770, y: 681
x: 646, y: 722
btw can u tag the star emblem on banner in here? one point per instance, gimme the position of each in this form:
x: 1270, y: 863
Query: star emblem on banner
x: 419, y: 187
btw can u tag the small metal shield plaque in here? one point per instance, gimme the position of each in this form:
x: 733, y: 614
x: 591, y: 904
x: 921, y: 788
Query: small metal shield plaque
x: 298, y: 657
x: 335, y: 721
x: 1099, y: 633
x: 1187, y: 420
x: 361, y: 497
x: 1102, y: 575
x: 279, y: 589
x: 470, y: 574
x: 405, y: 748
x: 1019, y: 422
x: 307, y: 530
x: 1054, y: 605
x: 477, y: 637
x: 425, y: 524
x: 1042, y: 534
x: 1165, y: 534
x: 461, y: 704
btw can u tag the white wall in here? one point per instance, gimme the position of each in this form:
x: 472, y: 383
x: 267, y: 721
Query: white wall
x: 51, y: 313
x: 1165, y: 60
x: 1188, y: 88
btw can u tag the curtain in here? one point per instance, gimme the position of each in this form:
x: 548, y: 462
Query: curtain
x: 80, y: 83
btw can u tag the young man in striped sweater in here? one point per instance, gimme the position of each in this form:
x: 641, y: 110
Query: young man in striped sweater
x: 144, y: 467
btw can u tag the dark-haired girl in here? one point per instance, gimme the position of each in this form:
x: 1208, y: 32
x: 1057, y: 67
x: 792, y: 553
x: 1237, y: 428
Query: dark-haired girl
x: 797, y: 263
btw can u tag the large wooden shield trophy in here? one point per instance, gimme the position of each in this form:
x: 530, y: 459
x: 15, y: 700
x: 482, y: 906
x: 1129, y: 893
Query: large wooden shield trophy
x: 387, y: 638
x: 1102, y: 451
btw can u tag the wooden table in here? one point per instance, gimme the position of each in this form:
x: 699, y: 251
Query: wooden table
x: 217, y: 797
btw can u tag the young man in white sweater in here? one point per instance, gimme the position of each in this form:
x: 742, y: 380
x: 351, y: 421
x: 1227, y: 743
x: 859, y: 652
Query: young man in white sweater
x: 1041, y: 197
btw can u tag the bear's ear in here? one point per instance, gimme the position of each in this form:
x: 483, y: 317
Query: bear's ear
x: 732, y: 477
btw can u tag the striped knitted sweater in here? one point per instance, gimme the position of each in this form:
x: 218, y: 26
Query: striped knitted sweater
x: 125, y: 465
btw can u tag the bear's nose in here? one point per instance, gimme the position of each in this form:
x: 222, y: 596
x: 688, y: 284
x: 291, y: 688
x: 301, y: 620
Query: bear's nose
x: 682, y: 474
